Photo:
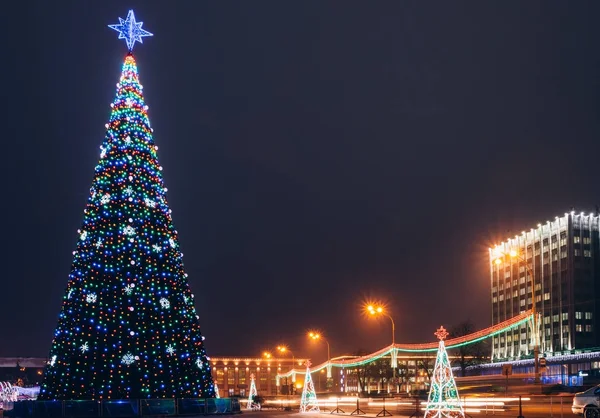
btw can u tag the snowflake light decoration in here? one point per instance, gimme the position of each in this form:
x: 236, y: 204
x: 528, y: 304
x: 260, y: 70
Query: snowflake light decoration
x: 84, y: 347
x: 129, y: 230
x: 69, y: 294
x: 98, y: 243
x: 164, y: 302
x: 91, y: 298
x: 150, y: 203
x: 185, y: 299
x: 128, y: 359
x: 170, y: 349
x: 53, y: 360
x: 128, y: 191
x: 130, y: 30
x: 128, y: 139
x: 129, y: 289
x: 199, y: 363
x: 172, y: 242
x: 105, y: 199
x: 157, y: 248
x: 83, y: 235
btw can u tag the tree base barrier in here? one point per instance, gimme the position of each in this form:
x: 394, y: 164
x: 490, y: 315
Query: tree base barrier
x: 124, y: 408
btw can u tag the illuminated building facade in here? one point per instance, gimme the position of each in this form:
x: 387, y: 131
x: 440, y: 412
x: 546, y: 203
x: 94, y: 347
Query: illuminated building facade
x: 563, y: 256
x: 232, y: 375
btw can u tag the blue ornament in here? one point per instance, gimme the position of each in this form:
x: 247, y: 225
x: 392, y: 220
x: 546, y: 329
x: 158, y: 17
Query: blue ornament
x: 130, y: 30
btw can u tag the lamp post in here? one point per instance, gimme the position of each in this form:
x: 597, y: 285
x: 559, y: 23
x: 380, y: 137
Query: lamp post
x: 380, y: 310
x: 317, y: 336
x: 283, y: 349
x: 536, y: 346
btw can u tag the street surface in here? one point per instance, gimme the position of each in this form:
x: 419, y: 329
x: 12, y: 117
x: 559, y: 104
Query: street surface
x: 539, y: 406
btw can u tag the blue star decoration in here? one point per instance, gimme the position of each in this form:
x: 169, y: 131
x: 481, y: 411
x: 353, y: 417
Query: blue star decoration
x: 130, y: 30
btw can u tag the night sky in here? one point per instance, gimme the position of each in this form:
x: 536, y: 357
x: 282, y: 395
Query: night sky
x: 317, y: 154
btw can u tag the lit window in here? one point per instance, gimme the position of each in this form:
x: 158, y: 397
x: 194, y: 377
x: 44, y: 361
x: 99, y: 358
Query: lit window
x: 515, y: 294
x: 538, y: 298
x: 586, y: 240
x: 501, y: 297
x: 565, y: 316
x: 563, y: 241
x: 555, y: 318
x: 576, y: 252
x: 563, y: 254
x: 578, y: 328
x: 587, y: 253
x: 588, y: 328
x: 494, y: 299
x: 522, y: 303
x: 547, y: 296
x: 577, y: 315
x: 546, y: 320
x: 576, y: 240
x: 588, y: 315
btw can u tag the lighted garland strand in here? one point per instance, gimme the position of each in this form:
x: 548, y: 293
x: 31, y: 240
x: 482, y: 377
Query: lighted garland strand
x: 511, y: 323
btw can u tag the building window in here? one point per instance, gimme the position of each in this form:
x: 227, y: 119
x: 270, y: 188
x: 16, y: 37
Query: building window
x: 538, y: 286
x: 515, y: 282
x: 588, y: 315
x: 547, y: 332
x: 578, y: 328
x: 554, y: 245
x: 587, y: 240
x: 587, y: 253
x: 588, y: 328
x: 220, y: 376
x: 538, y: 298
x: 522, y: 303
x: 554, y: 257
x: 522, y: 280
x: 231, y: 392
x: 546, y: 320
x: 577, y: 315
x: 230, y: 377
x: 563, y: 241
x: 547, y: 296
x: 522, y: 291
x: 501, y: 297
x: 494, y: 299
x: 565, y: 316
x: 565, y: 329
x: 563, y: 254
x: 576, y: 252
x: 555, y: 318
x: 242, y: 376
x: 576, y: 240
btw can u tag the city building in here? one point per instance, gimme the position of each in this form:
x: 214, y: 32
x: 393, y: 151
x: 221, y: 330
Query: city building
x: 561, y: 258
x: 232, y: 374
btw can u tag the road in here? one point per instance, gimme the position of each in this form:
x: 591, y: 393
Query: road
x: 540, y: 406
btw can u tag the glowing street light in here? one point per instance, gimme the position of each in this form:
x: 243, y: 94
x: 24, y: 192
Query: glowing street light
x: 536, y: 347
x: 267, y: 355
x: 317, y: 336
x: 375, y: 310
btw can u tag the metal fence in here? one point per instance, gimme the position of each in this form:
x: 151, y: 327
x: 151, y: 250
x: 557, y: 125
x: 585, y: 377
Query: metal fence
x: 122, y: 408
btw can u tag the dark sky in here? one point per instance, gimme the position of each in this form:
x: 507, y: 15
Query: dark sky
x: 316, y: 153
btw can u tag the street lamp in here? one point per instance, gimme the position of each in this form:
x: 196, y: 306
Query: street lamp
x: 267, y: 355
x: 379, y: 310
x: 536, y: 347
x: 313, y: 335
x: 283, y: 349
x: 317, y: 336
x: 375, y: 310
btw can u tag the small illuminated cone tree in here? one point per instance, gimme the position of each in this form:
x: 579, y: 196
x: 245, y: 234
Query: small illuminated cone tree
x: 252, y: 394
x: 443, y: 401
x: 308, y: 401
x: 127, y: 328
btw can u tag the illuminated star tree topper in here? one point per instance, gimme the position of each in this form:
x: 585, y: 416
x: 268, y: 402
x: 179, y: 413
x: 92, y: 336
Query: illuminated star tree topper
x: 130, y: 30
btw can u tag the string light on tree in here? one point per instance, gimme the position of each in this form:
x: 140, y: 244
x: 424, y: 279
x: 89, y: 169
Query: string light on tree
x: 443, y: 400
x: 125, y: 315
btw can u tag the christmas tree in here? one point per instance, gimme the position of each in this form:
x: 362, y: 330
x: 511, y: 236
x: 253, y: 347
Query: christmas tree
x: 308, y: 401
x: 128, y: 326
x: 443, y: 401
x: 252, y: 394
